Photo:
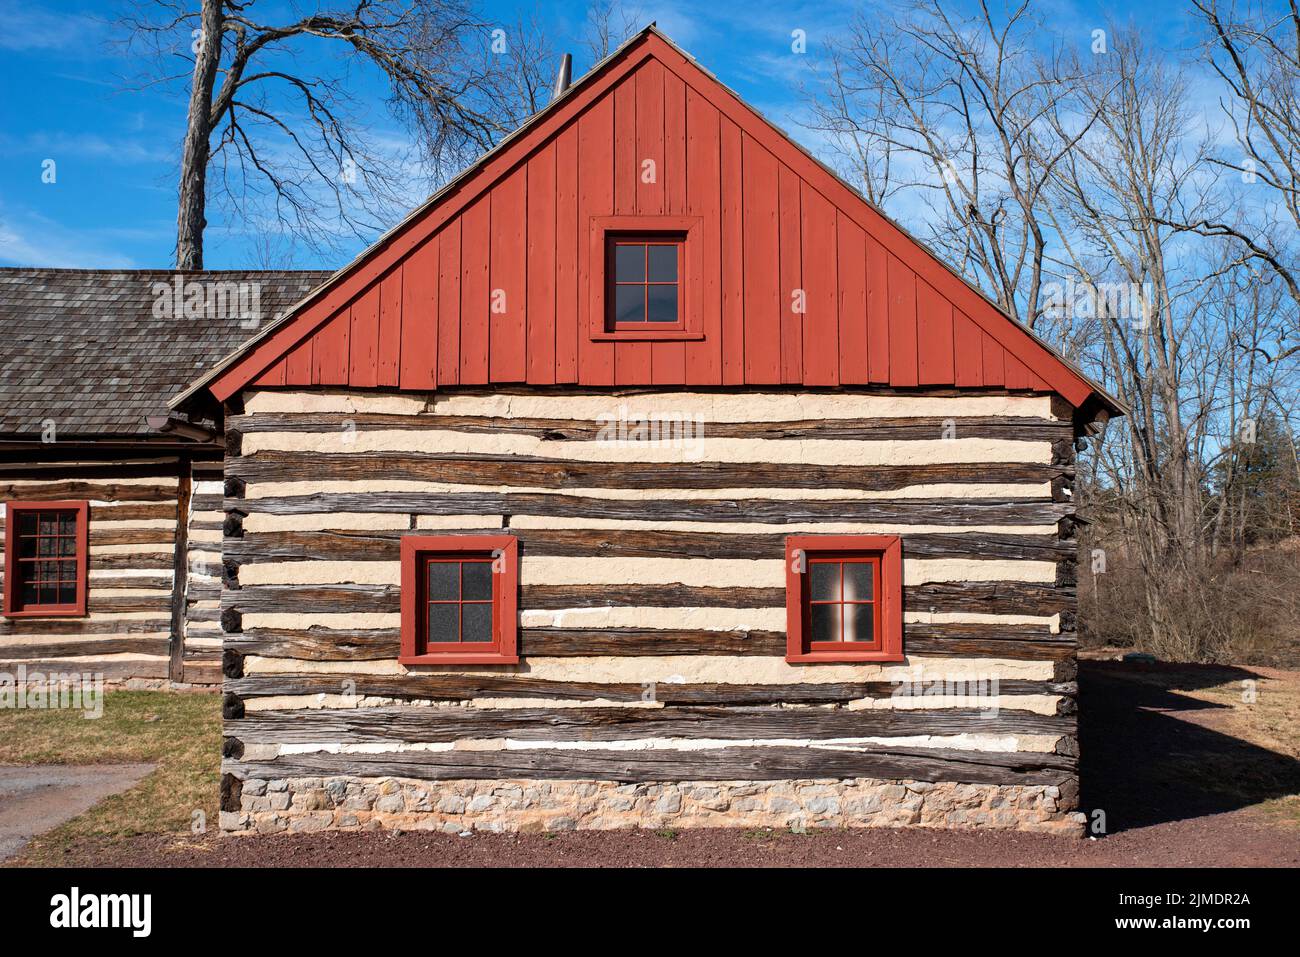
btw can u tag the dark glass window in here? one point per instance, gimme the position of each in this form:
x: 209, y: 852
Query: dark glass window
x: 645, y: 282
x: 458, y: 600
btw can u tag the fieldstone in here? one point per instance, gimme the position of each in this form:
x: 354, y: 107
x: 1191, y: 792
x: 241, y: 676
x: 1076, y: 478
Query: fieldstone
x: 390, y: 803
x: 277, y: 784
x: 451, y: 804
x: 670, y: 802
x: 254, y: 787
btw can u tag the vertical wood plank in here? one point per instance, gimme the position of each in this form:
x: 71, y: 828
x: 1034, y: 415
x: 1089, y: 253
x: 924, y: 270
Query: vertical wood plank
x: 851, y: 257
x: 595, y: 198
x: 389, y: 356
x: 568, y: 238
x: 762, y: 252
x: 733, y: 256
x: 902, y: 324
x: 703, y: 199
x: 993, y: 374
x: 475, y: 245
x: 363, y: 360
x: 626, y: 163
x: 668, y: 359
x: 1017, y: 374
x: 877, y: 312
x: 968, y: 355
x: 449, y: 303
x: 793, y: 297
x: 821, y: 321
x: 332, y: 349
x: 298, y: 363
x: 650, y: 138
x: 508, y: 285
x: 541, y: 265
x: 934, y: 336
x: 419, y: 360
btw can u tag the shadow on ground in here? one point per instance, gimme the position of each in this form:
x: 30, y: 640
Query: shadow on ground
x: 1147, y: 756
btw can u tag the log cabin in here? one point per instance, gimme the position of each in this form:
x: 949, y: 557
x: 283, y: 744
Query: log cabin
x: 647, y: 476
x: 110, y: 508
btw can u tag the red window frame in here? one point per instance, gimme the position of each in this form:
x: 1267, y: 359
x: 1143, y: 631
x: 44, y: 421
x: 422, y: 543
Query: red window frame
x: 602, y: 231
x: 612, y: 242
x: 13, y: 604
x: 885, y: 554
x: 417, y: 552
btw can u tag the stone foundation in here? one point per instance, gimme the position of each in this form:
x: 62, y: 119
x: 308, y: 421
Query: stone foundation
x: 315, y: 804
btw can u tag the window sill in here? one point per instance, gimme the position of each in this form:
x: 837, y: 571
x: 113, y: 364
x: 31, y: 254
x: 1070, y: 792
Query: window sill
x: 71, y: 613
x: 657, y: 335
x: 869, y: 657
x: 456, y: 658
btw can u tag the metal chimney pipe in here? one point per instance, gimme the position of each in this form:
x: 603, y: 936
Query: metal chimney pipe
x: 564, y: 77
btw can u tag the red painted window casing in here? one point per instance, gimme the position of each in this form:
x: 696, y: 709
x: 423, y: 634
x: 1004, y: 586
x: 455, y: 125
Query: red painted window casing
x: 886, y: 552
x: 503, y: 550
x: 13, y: 604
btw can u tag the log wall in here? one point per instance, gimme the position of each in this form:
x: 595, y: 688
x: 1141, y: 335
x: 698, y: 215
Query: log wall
x: 138, y: 609
x: 652, y: 601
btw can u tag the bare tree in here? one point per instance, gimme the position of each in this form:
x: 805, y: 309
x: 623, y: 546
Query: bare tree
x: 1254, y: 50
x: 261, y: 126
x: 609, y: 23
x: 953, y: 108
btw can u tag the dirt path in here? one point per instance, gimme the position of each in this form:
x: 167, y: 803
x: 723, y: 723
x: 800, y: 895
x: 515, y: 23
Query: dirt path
x: 35, y: 799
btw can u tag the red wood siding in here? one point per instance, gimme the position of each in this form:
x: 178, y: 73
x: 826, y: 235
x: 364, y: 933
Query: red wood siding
x: 491, y: 284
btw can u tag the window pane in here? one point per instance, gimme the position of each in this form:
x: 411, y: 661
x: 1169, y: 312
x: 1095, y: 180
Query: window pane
x: 825, y: 581
x: 30, y: 595
x: 46, y: 546
x: 27, y: 523
x: 629, y: 303
x: 47, y: 571
x: 444, y: 623
x: 478, y: 622
x: 68, y: 524
x: 629, y: 263
x: 68, y: 571
x: 662, y: 304
x: 663, y: 263
x: 67, y: 593
x: 826, y: 622
x: 27, y: 545
x: 477, y: 581
x: 858, y: 622
x: 49, y: 524
x: 444, y: 581
x: 858, y: 581
x: 67, y: 545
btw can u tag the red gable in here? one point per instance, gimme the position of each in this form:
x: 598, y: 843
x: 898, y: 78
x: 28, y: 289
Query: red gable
x: 496, y: 279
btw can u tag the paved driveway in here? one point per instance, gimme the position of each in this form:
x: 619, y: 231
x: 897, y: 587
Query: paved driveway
x: 34, y: 799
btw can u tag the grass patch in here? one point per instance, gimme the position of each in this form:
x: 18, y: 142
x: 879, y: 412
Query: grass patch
x: 181, y: 733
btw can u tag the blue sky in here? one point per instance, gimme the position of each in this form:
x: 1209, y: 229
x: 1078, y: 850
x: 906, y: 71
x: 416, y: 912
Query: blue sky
x: 72, y: 96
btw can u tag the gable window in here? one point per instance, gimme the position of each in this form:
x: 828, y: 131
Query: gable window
x: 459, y: 595
x: 45, y: 559
x: 645, y: 282
x: 844, y: 598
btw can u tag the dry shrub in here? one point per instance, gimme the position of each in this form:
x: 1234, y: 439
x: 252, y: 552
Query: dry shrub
x: 1242, y: 612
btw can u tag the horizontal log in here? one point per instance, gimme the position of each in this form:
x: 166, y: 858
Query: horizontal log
x: 430, y: 725
x: 159, y: 561
x: 133, y: 512
x: 105, y: 491
x: 371, y: 545
x: 463, y: 686
x: 1004, y: 598
x: 574, y: 430
x: 524, y: 471
x: 131, y: 536
x: 102, y: 646
x: 721, y: 764
x: 954, y: 512
x: 81, y: 626
x: 111, y: 670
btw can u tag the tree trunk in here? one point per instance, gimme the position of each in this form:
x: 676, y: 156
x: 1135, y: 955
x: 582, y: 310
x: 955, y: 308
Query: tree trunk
x: 195, y: 152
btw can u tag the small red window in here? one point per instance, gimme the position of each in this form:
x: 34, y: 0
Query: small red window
x: 45, y: 559
x: 644, y: 283
x: 459, y: 596
x: 844, y: 598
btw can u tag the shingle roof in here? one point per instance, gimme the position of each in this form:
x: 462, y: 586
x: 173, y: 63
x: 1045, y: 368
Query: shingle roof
x: 96, y: 351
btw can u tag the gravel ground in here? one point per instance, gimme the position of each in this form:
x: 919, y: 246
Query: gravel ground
x: 1164, y: 756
